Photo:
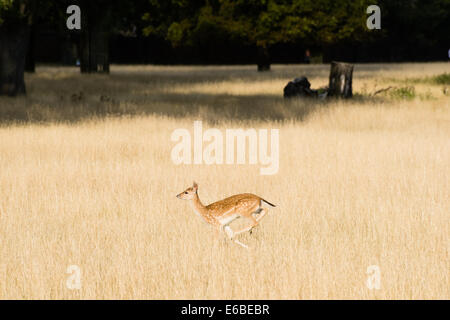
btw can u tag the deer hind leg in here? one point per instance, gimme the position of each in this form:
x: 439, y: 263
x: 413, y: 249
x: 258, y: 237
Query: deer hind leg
x: 255, y: 217
x: 230, y: 233
x: 253, y: 224
x: 261, y: 213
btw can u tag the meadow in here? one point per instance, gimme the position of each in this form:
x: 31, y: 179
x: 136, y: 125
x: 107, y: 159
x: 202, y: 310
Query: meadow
x: 86, y: 179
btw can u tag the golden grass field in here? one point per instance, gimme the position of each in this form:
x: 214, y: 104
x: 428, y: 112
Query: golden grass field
x: 86, y: 179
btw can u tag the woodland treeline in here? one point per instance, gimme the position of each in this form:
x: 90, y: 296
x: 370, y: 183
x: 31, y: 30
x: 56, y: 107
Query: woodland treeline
x: 216, y: 31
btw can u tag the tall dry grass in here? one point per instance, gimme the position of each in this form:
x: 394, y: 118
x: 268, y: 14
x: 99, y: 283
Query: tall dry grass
x: 361, y: 183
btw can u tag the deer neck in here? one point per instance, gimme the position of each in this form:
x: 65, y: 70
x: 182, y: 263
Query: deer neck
x: 199, y: 208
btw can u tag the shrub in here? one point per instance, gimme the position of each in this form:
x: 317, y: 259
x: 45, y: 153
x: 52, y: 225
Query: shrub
x: 442, y: 78
x: 403, y: 93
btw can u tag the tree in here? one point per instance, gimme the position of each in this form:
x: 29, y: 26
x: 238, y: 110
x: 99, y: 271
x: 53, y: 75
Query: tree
x: 261, y: 23
x: 94, y: 35
x: 173, y: 20
x: 265, y: 23
x: 187, y: 22
x: 15, y: 19
x: 415, y: 24
x: 99, y: 19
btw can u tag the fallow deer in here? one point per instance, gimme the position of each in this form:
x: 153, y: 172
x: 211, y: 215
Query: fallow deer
x: 222, y: 213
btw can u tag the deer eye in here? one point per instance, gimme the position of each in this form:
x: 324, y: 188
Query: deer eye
x: 185, y: 192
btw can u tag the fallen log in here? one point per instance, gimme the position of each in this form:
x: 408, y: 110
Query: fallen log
x: 340, y: 84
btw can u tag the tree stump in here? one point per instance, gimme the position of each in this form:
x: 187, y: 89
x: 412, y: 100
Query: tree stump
x: 341, y: 75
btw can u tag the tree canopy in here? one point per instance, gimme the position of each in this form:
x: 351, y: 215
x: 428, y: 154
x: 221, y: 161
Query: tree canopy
x: 259, y: 22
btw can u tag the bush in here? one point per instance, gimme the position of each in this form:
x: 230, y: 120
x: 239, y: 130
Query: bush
x: 403, y: 93
x: 442, y: 78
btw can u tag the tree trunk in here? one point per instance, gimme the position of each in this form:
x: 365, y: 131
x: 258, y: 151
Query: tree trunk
x: 13, y: 51
x: 69, y: 50
x: 30, y: 64
x: 341, y: 75
x: 94, y: 45
x: 263, y: 59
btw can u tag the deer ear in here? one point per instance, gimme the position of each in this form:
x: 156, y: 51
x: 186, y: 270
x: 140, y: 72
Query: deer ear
x: 195, y: 185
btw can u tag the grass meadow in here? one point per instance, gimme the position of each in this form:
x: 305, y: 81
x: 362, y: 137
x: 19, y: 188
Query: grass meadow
x: 86, y: 179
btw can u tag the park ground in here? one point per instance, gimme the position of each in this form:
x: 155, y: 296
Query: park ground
x: 87, y: 180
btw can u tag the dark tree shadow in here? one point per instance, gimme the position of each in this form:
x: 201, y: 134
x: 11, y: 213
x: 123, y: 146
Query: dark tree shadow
x: 67, y: 96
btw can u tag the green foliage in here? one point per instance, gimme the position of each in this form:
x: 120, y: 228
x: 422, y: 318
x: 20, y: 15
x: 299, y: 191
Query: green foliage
x: 176, y: 32
x: 27, y: 11
x: 4, y: 6
x: 259, y: 22
x: 173, y: 20
x: 407, y: 93
x: 9, y: 9
x: 442, y: 79
x: 118, y: 15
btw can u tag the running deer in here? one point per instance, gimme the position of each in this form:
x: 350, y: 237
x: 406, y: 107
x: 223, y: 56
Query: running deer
x: 222, y: 213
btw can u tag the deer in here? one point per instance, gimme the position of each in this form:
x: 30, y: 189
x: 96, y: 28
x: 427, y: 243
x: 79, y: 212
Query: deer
x: 222, y: 213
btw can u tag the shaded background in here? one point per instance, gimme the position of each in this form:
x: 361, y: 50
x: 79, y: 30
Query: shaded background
x: 205, y: 32
x: 412, y: 30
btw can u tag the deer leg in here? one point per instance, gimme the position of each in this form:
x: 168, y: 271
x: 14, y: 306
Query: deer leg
x: 253, y: 224
x: 230, y: 233
x: 261, y: 214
